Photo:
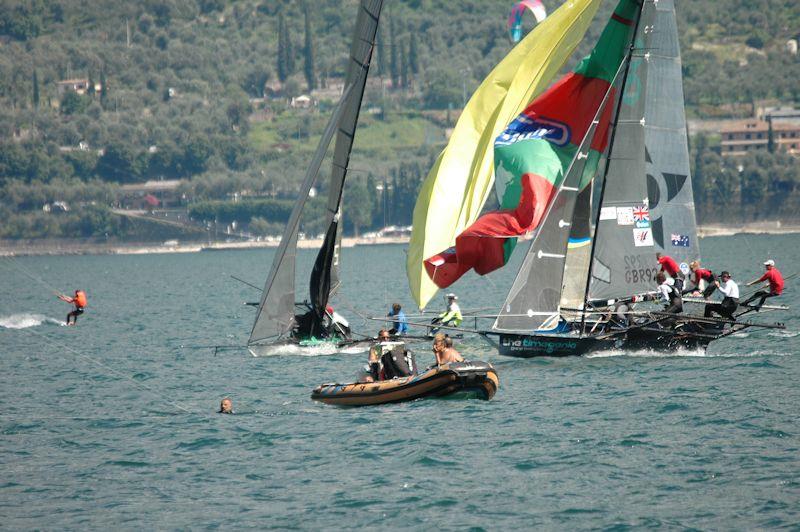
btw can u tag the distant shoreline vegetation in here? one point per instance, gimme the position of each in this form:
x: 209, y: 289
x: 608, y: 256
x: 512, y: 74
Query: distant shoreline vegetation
x: 209, y: 92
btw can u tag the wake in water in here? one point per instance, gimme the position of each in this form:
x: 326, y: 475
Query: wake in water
x: 27, y: 320
x: 648, y: 353
x: 323, y: 349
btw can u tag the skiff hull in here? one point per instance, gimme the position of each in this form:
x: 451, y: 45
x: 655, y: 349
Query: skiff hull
x: 529, y: 346
x: 478, y: 379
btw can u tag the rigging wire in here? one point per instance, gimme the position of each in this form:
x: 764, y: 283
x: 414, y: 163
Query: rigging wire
x: 108, y: 368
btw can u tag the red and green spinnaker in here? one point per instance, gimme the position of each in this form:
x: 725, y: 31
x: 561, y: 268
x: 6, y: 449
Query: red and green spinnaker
x: 535, y: 152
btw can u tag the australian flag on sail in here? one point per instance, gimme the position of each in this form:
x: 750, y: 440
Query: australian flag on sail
x: 680, y: 240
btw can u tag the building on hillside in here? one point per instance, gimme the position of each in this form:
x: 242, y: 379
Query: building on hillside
x: 781, y: 114
x: 151, y: 194
x: 79, y: 85
x: 745, y: 136
x: 302, y: 102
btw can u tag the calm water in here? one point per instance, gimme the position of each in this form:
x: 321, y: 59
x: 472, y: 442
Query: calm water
x: 94, y: 432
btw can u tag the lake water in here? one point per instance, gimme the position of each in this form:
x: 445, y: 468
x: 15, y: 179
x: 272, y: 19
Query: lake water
x: 112, y: 423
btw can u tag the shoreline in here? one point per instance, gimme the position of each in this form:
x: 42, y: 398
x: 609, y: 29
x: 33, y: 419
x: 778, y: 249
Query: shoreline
x: 73, y: 247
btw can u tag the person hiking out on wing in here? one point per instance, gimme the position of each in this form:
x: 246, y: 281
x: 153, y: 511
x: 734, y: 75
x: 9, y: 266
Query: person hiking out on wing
x: 670, y: 267
x: 729, y: 303
x: 703, y: 281
x: 79, y: 300
x: 775, y: 285
x: 400, y: 323
x: 451, y: 317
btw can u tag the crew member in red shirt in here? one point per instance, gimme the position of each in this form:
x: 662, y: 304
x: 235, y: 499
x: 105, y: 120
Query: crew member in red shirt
x: 775, y: 285
x: 670, y: 267
x: 701, y: 274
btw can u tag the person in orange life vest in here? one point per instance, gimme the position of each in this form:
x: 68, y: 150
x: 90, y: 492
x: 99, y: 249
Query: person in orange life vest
x: 670, y: 267
x: 79, y: 300
x: 775, y: 285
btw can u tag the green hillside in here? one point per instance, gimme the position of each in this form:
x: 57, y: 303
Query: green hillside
x: 200, y: 89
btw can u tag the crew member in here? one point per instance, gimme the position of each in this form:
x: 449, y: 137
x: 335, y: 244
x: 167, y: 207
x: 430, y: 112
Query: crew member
x: 400, y: 324
x: 373, y: 373
x: 670, y: 267
x: 775, y: 285
x: 444, y: 351
x: 731, y: 300
x: 338, y: 324
x: 79, y: 300
x: 451, y: 317
x: 225, y: 406
x: 703, y: 280
x: 670, y: 296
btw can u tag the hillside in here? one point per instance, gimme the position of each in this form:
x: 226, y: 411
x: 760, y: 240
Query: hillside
x: 199, y: 90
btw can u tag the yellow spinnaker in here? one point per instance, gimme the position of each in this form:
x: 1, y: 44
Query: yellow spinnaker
x: 453, y: 193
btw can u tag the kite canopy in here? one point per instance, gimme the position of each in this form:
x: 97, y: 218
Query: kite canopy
x: 515, y: 17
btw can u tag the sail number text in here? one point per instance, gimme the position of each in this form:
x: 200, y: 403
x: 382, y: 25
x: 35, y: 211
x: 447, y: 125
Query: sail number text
x: 638, y: 270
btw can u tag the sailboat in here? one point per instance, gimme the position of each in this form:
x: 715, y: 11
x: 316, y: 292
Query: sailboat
x: 280, y: 318
x: 615, y: 190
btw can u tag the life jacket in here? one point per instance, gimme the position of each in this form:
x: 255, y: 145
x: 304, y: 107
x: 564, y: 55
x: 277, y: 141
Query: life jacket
x: 80, y: 299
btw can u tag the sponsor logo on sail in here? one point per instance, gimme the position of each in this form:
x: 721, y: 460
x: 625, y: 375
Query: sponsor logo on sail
x: 529, y: 128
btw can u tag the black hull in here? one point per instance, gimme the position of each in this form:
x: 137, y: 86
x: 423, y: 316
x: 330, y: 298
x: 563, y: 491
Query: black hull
x: 536, y: 345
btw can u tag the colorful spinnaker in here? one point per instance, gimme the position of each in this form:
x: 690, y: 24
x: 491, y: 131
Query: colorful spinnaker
x: 453, y: 193
x: 533, y: 154
x: 515, y: 17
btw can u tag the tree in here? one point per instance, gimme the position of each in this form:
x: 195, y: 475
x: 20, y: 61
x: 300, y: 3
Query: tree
x: 103, y: 89
x: 403, y: 65
x: 394, y: 67
x: 380, y: 49
x: 413, y: 56
x: 73, y: 103
x: 310, y: 68
x: 361, y: 200
x: 197, y: 153
x: 282, y: 57
x: 35, y: 89
x: 119, y: 163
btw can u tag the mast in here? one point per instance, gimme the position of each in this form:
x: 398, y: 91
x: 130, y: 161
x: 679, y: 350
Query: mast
x: 534, y: 300
x: 276, y: 316
x: 646, y: 204
x: 325, y: 275
x: 615, y: 123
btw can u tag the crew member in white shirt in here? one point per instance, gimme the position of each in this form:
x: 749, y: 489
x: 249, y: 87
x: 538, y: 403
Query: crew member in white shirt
x: 731, y: 300
x: 670, y: 296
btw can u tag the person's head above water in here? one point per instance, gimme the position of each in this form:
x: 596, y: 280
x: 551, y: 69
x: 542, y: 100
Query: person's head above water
x: 383, y: 335
x: 226, y: 406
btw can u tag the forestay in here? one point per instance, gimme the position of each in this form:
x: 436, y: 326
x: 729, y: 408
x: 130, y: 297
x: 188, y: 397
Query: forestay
x: 647, y: 204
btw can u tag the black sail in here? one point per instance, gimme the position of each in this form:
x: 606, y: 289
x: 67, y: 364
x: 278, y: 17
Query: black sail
x: 325, y: 277
x: 647, y: 205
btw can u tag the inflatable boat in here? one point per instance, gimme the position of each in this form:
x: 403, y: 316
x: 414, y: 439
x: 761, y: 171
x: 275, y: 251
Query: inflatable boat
x: 470, y: 379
